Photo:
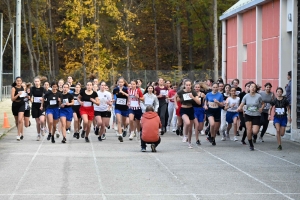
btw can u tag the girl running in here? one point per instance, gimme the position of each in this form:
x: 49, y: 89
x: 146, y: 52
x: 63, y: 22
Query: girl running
x: 76, y: 113
x: 161, y: 92
x: 150, y: 99
x: 87, y: 98
x: 171, y: 107
x: 199, y: 112
x: 282, y: 114
x: 66, y: 111
x: 52, y: 110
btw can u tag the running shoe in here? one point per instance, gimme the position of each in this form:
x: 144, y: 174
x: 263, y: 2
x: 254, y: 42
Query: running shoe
x: 243, y: 142
x: 131, y: 135
x: 120, y: 138
x: 168, y: 128
x: 184, y: 139
x: 153, y: 148
x: 87, y: 139
x: 254, y: 139
x: 43, y: 131
x: 209, y: 139
x: 227, y: 136
x: 21, y: 137
x: 52, y: 139
x: 82, y: 134
x: 64, y: 140
x: 103, y: 137
x: 174, y: 130
x: 57, y: 134
x: 288, y: 131
x: 97, y: 131
x: 74, y: 135
x: 213, y: 142
x: 218, y: 133
x: 190, y: 146
x: 18, y: 137
x: 251, y: 148
x: 237, y: 133
x: 38, y: 137
x: 177, y: 131
x: 181, y: 132
x: 143, y: 150
x: 68, y: 131
x: 198, y: 142
x: 49, y: 136
x: 162, y: 132
x: 279, y: 148
x: 100, y: 139
x: 235, y: 138
x: 108, y: 127
x: 223, y: 138
x: 261, y: 139
x: 124, y: 133
x: 202, y: 132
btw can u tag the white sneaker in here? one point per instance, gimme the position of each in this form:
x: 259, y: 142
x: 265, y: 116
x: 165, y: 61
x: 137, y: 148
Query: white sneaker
x: 190, y: 146
x: 131, y: 136
x: 38, y: 137
x: 235, y: 138
x: 184, y: 139
x: 68, y: 132
x: 174, y: 130
x: 18, y: 137
x: 57, y: 134
x: 117, y: 134
x: 43, y: 131
x: 223, y: 138
x: 168, y: 128
x: 202, y: 132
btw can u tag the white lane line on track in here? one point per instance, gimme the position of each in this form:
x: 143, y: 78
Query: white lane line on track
x: 26, y: 170
x: 278, y: 157
x: 198, y: 194
x: 174, y: 175
x: 247, y: 174
x: 97, y: 170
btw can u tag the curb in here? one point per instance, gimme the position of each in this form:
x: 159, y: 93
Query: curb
x: 6, y: 131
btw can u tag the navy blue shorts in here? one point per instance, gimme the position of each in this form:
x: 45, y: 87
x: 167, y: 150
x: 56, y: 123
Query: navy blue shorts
x: 282, y: 121
x: 67, y: 113
x: 54, y: 112
x: 230, y: 116
x: 215, y: 113
x: 199, y: 113
x: 124, y: 113
x: 137, y: 113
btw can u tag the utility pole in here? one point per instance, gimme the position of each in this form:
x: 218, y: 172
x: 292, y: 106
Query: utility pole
x: 1, y: 53
x: 216, y: 47
x: 17, y: 70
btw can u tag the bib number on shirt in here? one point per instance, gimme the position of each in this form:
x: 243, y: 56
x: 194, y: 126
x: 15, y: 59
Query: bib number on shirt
x: 212, y: 105
x: 121, y: 101
x: 52, y: 102
x: 65, y: 101
x: 252, y: 108
x: 163, y: 92
x: 76, y: 103
x: 186, y: 96
x: 37, y: 100
x: 279, y: 111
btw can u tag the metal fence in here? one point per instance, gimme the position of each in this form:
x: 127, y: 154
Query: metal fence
x: 6, y: 90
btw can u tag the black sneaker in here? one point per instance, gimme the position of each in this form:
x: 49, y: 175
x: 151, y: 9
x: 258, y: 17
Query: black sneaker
x: 198, y: 142
x: 87, y: 139
x: 214, y: 143
x: 237, y: 133
x: 120, y: 138
x: 243, y: 142
x: 22, y: 137
x: 251, y: 148
x: 49, y: 136
x: 64, y: 140
x: 218, y: 133
x: 254, y: 140
x: 143, y: 150
x: 279, y: 148
x: 240, y: 128
x: 100, y: 139
x: 209, y: 139
x: 77, y: 136
x: 74, y: 135
x: 162, y: 132
x: 124, y: 133
x: 103, y: 137
x: 97, y: 131
x: 82, y: 134
x: 181, y: 132
x: 52, y: 139
x: 153, y: 148
x: 177, y: 131
x: 108, y: 127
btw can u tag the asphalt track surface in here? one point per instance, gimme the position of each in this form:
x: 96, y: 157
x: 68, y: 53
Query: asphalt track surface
x: 31, y: 169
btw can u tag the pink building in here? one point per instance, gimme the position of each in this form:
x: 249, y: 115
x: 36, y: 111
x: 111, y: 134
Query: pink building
x: 260, y: 43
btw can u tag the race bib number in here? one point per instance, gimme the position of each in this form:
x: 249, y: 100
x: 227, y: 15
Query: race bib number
x: 52, y: 102
x: 134, y: 104
x: 186, y: 96
x: 87, y: 103
x: 76, y: 103
x: 65, y: 101
x: 149, y: 101
x: 212, y: 105
x: 121, y: 101
x: 279, y: 111
x: 37, y: 100
x: 267, y: 106
x: 252, y: 108
x: 164, y: 92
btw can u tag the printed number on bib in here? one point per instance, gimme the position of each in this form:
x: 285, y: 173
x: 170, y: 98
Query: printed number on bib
x: 76, y: 103
x: 134, y: 104
x: 212, y: 105
x: 186, y: 96
x: 163, y: 92
x: 52, y: 102
x: 121, y: 101
x: 279, y: 111
x: 37, y: 100
x: 252, y: 108
x: 65, y: 101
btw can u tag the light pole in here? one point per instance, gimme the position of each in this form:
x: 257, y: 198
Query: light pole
x: 17, y: 70
x: 1, y: 53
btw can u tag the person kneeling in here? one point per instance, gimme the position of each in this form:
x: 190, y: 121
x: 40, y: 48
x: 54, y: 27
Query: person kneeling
x: 150, y: 124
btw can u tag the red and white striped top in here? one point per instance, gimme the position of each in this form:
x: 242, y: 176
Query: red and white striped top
x: 133, y: 101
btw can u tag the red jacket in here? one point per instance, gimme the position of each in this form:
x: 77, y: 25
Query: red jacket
x: 150, y: 123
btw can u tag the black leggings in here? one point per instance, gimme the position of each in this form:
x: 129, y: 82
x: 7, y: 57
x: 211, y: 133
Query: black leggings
x: 162, y: 109
x: 264, y: 122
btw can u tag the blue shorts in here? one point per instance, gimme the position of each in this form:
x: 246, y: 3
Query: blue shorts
x: 124, y: 113
x: 199, y: 113
x: 230, y: 116
x: 137, y: 113
x: 282, y: 121
x: 54, y: 112
x: 67, y: 113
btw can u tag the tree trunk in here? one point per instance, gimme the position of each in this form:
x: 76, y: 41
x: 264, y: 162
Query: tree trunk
x: 216, y: 48
x: 27, y: 41
x: 52, y: 43
x: 155, y: 38
x: 191, y: 44
x: 179, y: 49
x: 9, y: 10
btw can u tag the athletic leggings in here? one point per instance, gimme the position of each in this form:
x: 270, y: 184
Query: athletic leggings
x: 162, y: 112
x: 264, y: 122
x: 171, y: 108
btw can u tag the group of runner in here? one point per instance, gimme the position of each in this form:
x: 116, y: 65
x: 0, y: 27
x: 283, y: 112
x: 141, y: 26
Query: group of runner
x: 183, y: 108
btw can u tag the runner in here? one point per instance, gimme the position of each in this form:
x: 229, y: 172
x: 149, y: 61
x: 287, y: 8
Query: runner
x: 199, y: 112
x: 282, y: 114
x: 171, y: 108
x: 53, y: 99
x: 223, y: 126
x: 87, y: 98
x: 76, y: 113
x: 254, y: 107
x: 161, y: 92
x: 149, y: 99
x: 27, y: 106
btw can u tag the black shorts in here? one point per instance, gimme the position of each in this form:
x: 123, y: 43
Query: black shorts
x: 254, y: 119
x: 105, y: 114
x: 76, y: 110
x: 214, y: 112
x: 187, y: 111
x: 18, y: 107
x: 36, y: 112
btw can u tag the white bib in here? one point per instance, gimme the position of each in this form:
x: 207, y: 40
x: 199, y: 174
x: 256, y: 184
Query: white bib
x: 121, y: 101
x: 279, y: 111
x: 65, y: 101
x: 186, y: 96
x: 164, y: 92
x: 52, y: 102
x: 37, y: 100
x: 87, y: 103
x: 76, y: 103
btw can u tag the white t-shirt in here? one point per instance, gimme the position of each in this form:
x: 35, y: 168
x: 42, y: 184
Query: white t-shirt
x: 233, y: 104
x: 104, y: 97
